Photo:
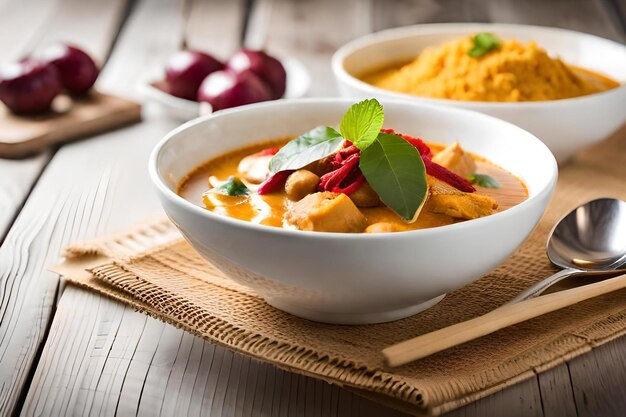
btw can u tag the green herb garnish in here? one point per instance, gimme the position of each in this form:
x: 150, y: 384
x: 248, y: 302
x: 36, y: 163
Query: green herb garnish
x: 309, y: 147
x: 483, y: 180
x: 362, y: 123
x: 233, y: 187
x: 483, y: 44
x: 395, y: 170
x: 391, y: 165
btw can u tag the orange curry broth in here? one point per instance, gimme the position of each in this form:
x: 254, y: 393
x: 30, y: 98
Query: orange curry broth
x: 270, y: 209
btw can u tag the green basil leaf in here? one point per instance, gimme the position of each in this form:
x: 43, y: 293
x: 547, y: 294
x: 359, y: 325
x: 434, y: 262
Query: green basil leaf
x: 362, y: 122
x: 232, y: 187
x: 309, y: 147
x: 483, y: 43
x: 395, y: 170
x: 483, y: 180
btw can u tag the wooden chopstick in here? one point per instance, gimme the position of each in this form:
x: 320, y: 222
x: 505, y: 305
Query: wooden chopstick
x: 500, y: 318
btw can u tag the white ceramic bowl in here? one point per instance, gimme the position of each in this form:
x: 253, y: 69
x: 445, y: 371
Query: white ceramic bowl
x: 564, y: 125
x: 353, y: 278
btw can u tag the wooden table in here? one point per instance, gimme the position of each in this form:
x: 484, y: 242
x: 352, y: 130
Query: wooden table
x: 65, y: 351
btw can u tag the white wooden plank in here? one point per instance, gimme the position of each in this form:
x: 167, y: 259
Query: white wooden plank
x: 152, y: 33
x: 215, y: 26
x: 309, y: 31
x: 599, y: 378
x: 21, y: 25
x: 30, y: 24
x: 90, y: 24
x: 165, y: 371
x: 16, y: 179
x: 72, y: 200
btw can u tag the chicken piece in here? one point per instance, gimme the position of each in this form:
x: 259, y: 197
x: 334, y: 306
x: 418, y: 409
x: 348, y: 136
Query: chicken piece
x: 445, y: 199
x: 382, y: 227
x: 456, y: 160
x: 301, y: 183
x: 365, y: 196
x: 255, y: 168
x: 326, y: 212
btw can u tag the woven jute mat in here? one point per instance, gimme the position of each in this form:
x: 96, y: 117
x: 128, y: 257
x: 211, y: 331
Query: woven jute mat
x: 156, y: 272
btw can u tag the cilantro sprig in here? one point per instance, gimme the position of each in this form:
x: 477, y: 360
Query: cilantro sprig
x: 483, y: 180
x: 233, y: 187
x: 483, y: 43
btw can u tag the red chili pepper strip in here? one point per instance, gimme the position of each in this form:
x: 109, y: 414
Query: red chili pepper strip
x: 421, y: 146
x: 447, y: 176
x: 348, y: 151
x: 268, y: 151
x: 274, y: 182
x: 352, y: 187
x: 333, y: 180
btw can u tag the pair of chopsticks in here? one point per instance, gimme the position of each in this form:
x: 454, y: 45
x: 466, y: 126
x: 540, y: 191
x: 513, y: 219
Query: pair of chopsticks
x: 500, y: 318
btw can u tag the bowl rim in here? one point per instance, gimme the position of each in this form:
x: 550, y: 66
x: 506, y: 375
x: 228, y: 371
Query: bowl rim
x: 173, y: 197
x: 354, y: 45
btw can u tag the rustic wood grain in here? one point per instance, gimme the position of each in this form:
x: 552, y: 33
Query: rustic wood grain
x: 19, y: 25
x: 48, y: 220
x: 557, y: 396
x: 520, y: 400
x: 27, y: 25
x: 599, y: 380
x: 310, y: 31
x: 16, y: 179
x: 215, y: 27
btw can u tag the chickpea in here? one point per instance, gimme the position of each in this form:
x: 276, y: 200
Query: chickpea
x: 382, y: 227
x: 365, y: 196
x: 300, y: 184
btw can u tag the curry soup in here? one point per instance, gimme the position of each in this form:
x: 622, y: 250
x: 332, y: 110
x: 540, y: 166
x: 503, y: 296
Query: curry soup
x: 273, y: 209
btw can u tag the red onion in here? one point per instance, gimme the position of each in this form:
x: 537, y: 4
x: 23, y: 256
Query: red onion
x: 185, y: 71
x: 224, y: 89
x: 29, y: 86
x: 268, y: 68
x: 76, y: 68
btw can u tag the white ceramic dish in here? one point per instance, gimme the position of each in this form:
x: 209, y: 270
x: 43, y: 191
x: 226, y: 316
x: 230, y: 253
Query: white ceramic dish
x: 564, y: 125
x: 298, y: 84
x: 352, y: 278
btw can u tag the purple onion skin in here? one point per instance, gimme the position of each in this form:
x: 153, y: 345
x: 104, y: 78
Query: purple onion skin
x: 185, y: 71
x: 28, y: 87
x: 77, y: 69
x: 225, y: 89
x: 268, y: 68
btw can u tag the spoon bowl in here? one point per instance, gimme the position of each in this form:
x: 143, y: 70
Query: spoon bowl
x: 592, y: 237
x: 590, y: 240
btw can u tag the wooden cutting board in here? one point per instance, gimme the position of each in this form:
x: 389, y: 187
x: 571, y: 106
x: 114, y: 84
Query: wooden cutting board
x: 72, y: 119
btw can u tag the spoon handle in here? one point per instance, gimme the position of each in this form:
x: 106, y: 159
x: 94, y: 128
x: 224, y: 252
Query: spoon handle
x: 544, y: 284
x: 500, y: 318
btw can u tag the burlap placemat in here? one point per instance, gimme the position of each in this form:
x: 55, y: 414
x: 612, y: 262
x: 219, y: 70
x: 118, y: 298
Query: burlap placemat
x: 157, y: 273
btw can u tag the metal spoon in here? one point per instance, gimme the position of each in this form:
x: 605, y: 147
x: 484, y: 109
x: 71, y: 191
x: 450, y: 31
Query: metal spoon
x: 591, y: 240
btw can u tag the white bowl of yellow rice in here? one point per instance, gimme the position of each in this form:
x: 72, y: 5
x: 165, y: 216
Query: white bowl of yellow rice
x: 567, y: 88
